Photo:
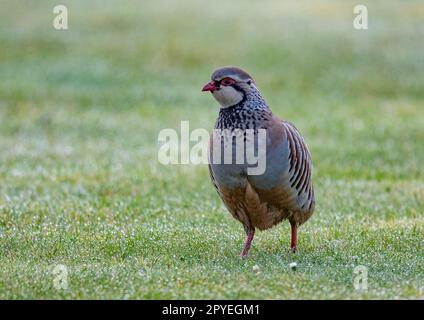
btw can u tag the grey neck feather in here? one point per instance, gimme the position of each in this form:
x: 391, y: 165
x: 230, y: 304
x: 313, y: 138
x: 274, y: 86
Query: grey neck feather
x: 249, y: 113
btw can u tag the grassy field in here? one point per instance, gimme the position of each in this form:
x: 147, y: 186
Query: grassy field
x: 80, y: 184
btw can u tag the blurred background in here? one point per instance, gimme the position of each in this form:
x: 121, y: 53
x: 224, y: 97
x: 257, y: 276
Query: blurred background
x: 81, y: 109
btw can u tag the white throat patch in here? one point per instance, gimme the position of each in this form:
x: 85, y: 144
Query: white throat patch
x: 227, y: 96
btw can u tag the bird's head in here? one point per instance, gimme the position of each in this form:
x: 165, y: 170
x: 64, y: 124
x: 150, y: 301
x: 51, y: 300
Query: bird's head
x: 229, y: 85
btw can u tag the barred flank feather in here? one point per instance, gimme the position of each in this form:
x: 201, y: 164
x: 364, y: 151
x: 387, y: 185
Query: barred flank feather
x: 300, y: 170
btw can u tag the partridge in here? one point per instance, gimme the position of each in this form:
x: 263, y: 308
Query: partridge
x: 284, y: 189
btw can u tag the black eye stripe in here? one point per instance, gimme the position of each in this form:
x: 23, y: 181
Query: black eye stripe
x: 227, y: 81
x: 234, y: 85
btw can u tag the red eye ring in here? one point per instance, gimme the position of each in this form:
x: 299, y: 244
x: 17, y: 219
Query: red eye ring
x: 227, y: 81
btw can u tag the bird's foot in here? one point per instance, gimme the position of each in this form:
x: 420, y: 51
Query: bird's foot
x: 247, y: 244
x: 243, y: 254
x: 293, y: 244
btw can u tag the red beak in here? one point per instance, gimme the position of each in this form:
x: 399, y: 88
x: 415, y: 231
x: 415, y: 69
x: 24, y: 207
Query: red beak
x: 210, y: 86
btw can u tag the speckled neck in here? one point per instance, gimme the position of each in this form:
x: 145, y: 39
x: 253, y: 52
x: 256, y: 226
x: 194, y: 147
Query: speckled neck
x: 251, y: 112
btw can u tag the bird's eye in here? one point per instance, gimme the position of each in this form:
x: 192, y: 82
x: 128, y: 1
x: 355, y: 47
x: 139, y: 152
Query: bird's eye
x: 227, y: 81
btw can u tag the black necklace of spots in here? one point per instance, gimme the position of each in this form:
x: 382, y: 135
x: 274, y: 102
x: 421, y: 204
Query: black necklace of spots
x: 250, y: 113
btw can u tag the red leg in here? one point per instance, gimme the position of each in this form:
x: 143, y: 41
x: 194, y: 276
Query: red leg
x: 293, y: 244
x: 248, y: 242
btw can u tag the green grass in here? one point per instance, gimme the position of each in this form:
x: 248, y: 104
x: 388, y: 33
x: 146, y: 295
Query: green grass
x: 80, y: 184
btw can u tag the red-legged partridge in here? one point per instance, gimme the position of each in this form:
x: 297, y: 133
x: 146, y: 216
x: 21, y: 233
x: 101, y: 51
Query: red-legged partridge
x: 284, y: 190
